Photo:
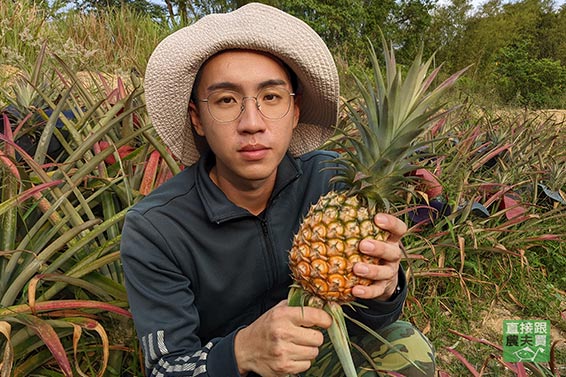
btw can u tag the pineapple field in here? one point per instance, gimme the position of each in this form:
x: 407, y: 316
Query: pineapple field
x: 483, y: 196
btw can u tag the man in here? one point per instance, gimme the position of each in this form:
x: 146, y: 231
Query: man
x: 244, y: 99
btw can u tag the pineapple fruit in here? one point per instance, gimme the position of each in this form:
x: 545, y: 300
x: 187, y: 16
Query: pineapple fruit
x: 392, y: 113
x: 326, y: 247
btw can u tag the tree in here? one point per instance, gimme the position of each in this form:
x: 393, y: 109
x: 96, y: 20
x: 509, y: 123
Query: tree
x: 411, y: 22
x: 184, y: 12
x: 447, y: 29
x: 141, y: 6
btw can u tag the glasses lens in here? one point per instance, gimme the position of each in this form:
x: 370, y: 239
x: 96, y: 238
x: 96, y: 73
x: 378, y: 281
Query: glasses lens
x: 273, y: 102
x: 225, y: 105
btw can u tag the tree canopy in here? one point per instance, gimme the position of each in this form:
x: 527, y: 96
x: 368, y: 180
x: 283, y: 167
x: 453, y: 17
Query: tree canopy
x: 457, y: 32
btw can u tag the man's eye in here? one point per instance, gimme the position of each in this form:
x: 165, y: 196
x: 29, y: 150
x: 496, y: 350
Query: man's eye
x: 225, y: 100
x: 270, y: 97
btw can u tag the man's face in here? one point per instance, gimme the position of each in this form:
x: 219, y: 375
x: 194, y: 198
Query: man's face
x: 250, y: 147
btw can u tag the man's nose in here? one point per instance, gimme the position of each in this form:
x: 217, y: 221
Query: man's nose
x: 251, y: 119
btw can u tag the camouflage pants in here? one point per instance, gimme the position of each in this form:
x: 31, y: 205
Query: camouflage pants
x: 406, y: 339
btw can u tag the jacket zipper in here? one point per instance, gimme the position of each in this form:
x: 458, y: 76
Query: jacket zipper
x: 272, y: 260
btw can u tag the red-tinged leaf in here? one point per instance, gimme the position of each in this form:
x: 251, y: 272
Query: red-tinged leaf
x: 8, y: 357
x: 544, y: 237
x: 105, y: 84
x: 21, y: 124
x: 490, y: 188
x: 521, y: 372
x: 44, y: 205
x: 118, y: 93
x: 432, y: 186
x: 46, y: 306
x: 467, y: 143
x: 48, y: 335
x: 9, y: 163
x: 163, y: 175
x: 121, y: 89
x: 438, y: 126
x: 103, y: 144
x: 36, y: 190
x: 7, y: 126
x: 31, y: 162
x: 150, y: 173
x: 442, y: 373
x: 97, y: 148
x: 464, y: 361
x: 513, y: 207
x: 69, y: 313
x: 499, y: 194
x: 514, y: 221
x: 488, y: 156
x: 477, y: 340
x: 125, y: 150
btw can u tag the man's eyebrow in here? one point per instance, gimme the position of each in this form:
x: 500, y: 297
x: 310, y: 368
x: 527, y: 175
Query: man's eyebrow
x: 223, y: 85
x: 235, y: 87
x: 273, y: 82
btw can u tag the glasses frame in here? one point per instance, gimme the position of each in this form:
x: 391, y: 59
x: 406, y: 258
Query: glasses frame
x: 243, y: 106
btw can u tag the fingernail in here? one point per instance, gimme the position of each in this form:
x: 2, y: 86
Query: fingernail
x: 358, y: 291
x: 380, y: 220
x: 361, y: 269
x: 366, y: 246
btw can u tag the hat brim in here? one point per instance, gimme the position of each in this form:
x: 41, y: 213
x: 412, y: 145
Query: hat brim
x: 174, y: 64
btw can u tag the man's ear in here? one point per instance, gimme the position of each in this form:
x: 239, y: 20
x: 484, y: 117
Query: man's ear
x: 195, y: 118
x: 297, y: 109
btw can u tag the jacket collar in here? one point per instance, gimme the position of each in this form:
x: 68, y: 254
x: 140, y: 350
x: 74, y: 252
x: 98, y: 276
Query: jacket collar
x: 218, y: 207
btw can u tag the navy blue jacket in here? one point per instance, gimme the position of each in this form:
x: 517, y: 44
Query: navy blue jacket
x: 198, y: 268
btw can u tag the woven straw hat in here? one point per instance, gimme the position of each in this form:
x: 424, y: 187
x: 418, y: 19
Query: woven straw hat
x: 173, y: 65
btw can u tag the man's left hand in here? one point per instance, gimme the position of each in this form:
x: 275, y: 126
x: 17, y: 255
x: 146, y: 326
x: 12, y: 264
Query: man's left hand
x: 388, y: 253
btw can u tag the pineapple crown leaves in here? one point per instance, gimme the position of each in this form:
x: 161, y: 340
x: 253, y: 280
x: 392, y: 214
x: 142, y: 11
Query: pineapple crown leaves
x: 391, y: 113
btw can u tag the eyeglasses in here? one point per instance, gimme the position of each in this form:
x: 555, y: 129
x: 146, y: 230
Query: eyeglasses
x: 226, y: 105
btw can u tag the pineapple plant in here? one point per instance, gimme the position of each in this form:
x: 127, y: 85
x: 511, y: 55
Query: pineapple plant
x: 392, y: 113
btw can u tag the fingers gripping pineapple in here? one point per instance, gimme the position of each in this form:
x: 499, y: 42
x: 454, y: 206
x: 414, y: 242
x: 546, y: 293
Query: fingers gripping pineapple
x: 392, y: 113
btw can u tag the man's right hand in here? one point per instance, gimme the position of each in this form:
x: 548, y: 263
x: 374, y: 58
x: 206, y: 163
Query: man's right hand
x: 282, y: 341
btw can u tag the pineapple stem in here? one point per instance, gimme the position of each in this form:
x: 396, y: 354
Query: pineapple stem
x: 296, y: 296
x: 337, y: 331
x: 339, y: 337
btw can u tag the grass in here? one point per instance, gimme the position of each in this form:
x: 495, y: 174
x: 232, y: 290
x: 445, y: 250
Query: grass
x: 115, y: 42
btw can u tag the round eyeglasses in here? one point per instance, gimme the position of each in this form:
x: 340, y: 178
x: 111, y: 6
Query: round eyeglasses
x: 226, y: 105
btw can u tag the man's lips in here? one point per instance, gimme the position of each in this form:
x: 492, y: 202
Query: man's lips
x: 253, y: 152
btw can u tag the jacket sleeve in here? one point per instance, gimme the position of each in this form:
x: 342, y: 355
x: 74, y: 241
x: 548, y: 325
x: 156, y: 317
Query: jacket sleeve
x: 162, y: 304
x: 377, y: 314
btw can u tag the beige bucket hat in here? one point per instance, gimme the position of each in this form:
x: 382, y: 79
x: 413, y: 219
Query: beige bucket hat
x: 173, y: 65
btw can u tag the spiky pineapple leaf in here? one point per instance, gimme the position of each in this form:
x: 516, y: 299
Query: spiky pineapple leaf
x: 389, y: 116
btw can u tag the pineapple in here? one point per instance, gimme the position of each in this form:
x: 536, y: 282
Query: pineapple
x: 392, y: 113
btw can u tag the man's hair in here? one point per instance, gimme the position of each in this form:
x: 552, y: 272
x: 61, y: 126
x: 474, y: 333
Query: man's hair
x: 290, y: 72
